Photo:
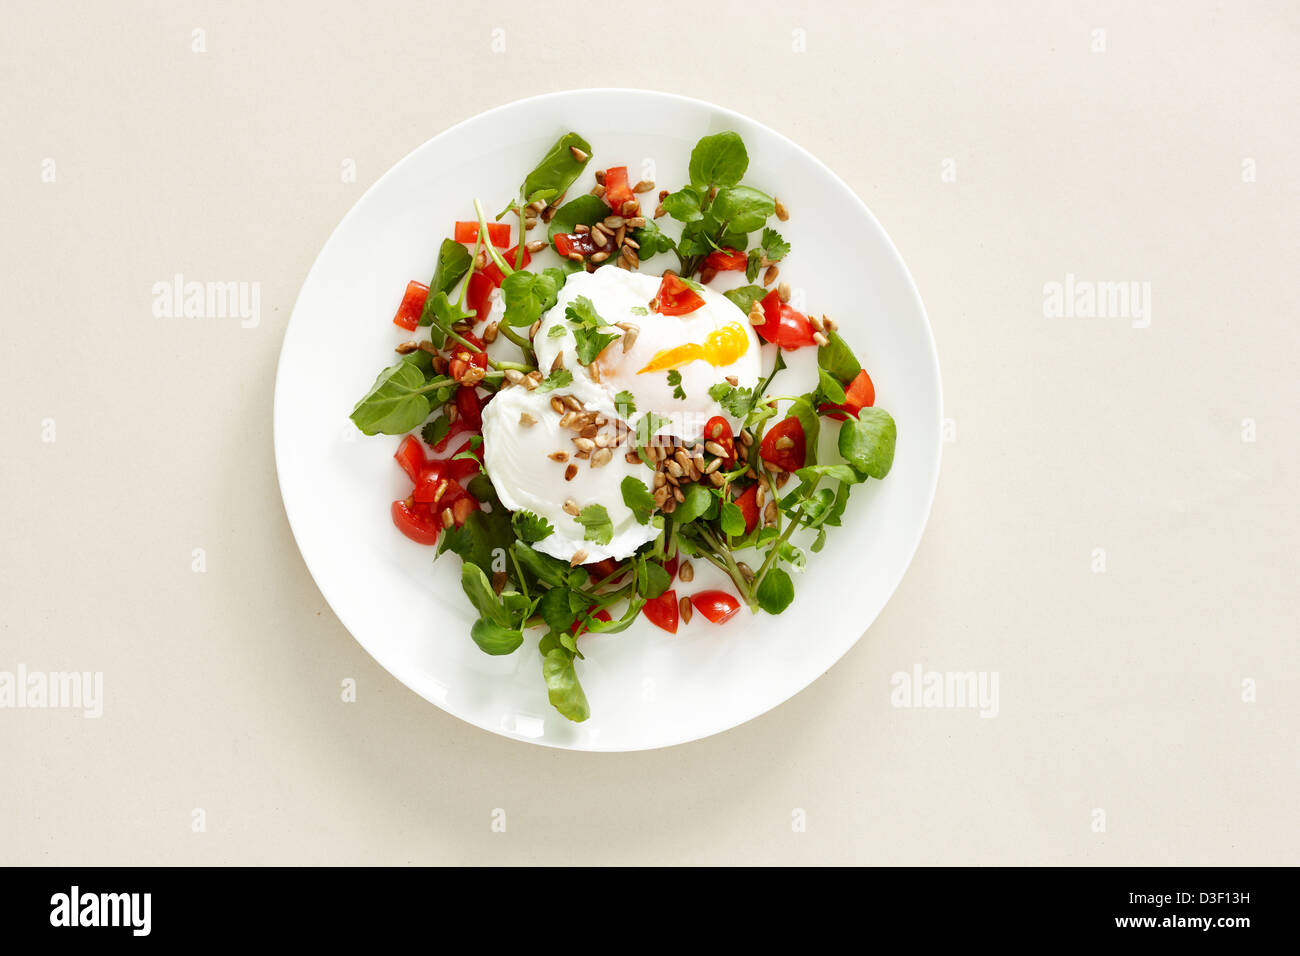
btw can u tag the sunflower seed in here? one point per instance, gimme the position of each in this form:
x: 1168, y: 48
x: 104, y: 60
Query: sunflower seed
x: 560, y: 456
x: 613, y: 223
x: 602, y: 457
x: 713, y: 466
x: 526, y: 420
x: 584, y: 444
x: 756, y: 316
x: 686, y: 571
x: 769, y: 513
x: 674, y: 469
x: 573, y: 402
x: 659, y: 211
x: 685, y: 610
x: 821, y: 339
x: 557, y: 404
x: 643, y: 186
x: 770, y: 275
x: 570, y: 472
x: 532, y: 329
x: 447, y: 519
x: 578, y: 558
x: 784, y: 442
x: 745, y: 570
x: 713, y: 448
x: 579, y: 154
x: 781, y: 212
x: 598, y: 190
x: 817, y: 324
x: 571, y: 507
x: 536, y: 245
x: 783, y: 292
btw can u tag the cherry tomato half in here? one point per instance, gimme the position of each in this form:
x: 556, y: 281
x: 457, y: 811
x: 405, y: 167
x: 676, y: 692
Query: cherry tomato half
x: 718, y: 429
x: 785, y: 326
x: 726, y: 260
x: 511, y: 255
x: 676, y: 297
x: 860, y: 394
x: 718, y: 606
x: 415, y: 521
x: 568, y: 242
x: 774, y: 449
x: 748, y: 505
x: 662, y: 611
x: 617, y: 190
x: 410, y: 455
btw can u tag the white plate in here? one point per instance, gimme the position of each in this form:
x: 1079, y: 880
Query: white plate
x: 646, y: 688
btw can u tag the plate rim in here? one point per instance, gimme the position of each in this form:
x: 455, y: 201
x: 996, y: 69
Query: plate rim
x: 933, y: 358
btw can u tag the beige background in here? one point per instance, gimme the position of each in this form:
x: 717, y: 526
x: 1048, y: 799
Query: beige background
x: 1120, y: 690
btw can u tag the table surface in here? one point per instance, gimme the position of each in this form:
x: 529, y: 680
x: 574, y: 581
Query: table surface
x: 1115, y: 530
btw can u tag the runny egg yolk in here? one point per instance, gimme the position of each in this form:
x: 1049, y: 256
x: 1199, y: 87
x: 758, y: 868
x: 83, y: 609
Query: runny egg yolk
x: 721, y: 347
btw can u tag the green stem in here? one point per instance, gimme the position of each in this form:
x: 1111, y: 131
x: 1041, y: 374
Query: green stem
x: 491, y: 250
x: 524, y: 345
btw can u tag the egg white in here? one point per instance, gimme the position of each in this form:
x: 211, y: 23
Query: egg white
x: 516, y: 456
x: 620, y: 296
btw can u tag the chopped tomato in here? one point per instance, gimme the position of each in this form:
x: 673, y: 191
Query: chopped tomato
x: 434, y: 487
x: 617, y: 190
x: 456, y: 428
x: 468, y: 408
x: 478, y: 295
x: 462, y: 508
x: 860, y: 394
x: 676, y: 297
x: 671, y: 567
x: 785, y: 326
x: 748, y: 504
x: 511, y: 255
x: 600, y: 570
x: 408, y: 313
x: 498, y: 233
x: 581, y: 242
x: 726, y: 260
x: 718, y: 429
x: 462, y: 360
x: 410, y: 455
x: 415, y: 521
x: 775, y: 449
x: 662, y: 611
x: 580, y: 625
x: 718, y: 606
x: 463, y: 468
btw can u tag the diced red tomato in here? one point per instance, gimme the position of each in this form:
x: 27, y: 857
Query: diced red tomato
x: 462, y: 360
x: 600, y: 570
x: 435, y: 488
x: 467, y: 407
x: 662, y: 611
x: 477, y: 295
x: 410, y: 455
x: 415, y: 521
x: 726, y: 260
x: 456, y: 428
x: 671, y: 567
x: 580, y: 625
x: 567, y: 242
x: 498, y: 233
x: 462, y: 508
x: 718, y: 606
x: 792, y: 457
x: 785, y: 326
x: 462, y: 468
x: 617, y: 190
x: 408, y: 313
x: 860, y: 394
x: 748, y: 504
x: 511, y: 255
x: 676, y: 297
x: 718, y: 429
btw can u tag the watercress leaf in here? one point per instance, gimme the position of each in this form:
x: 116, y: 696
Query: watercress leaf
x: 651, y: 239
x: 697, y: 503
x: 481, y: 488
x: 526, y: 295
x: 555, y: 610
x: 585, y: 210
x: 775, y: 591
x: 838, y: 359
x: 595, y: 520
x: 557, y: 170
x: 684, y: 206
x: 548, y: 570
x: 719, y: 160
x: 634, y: 606
x: 562, y: 687
x: 435, y: 430
x: 844, y: 473
x: 394, y: 405
x: 440, y: 314
x: 531, y: 528
x: 494, y: 638
x: 656, y: 581
x: 867, y: 442
x: 746, y: 296
x: 753, y: 264
x: 638, y: 498
x: 829, y: 387
x: 792, y: 555
x: 743, y: 207
x: 803, y: 409
x: 731, y: 519
x: 454, y: 261
x: 479, y: 591
x: 560, y: 378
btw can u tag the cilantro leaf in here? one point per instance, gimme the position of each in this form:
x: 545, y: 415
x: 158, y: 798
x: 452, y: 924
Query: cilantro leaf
x: 626, y: 403
x: 595, y: 519
x: 435, y: 430
x: 560, y: 378
x: 555, y: 332
x: 675, y: 380
x: 647, y: 425
x: 773, y: 246
x: 735, y: 401
x: 530, y: 527
x: 591, y: 344
x: 638, y: 499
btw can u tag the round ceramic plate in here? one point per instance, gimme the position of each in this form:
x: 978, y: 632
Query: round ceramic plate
x: 646, y: 688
